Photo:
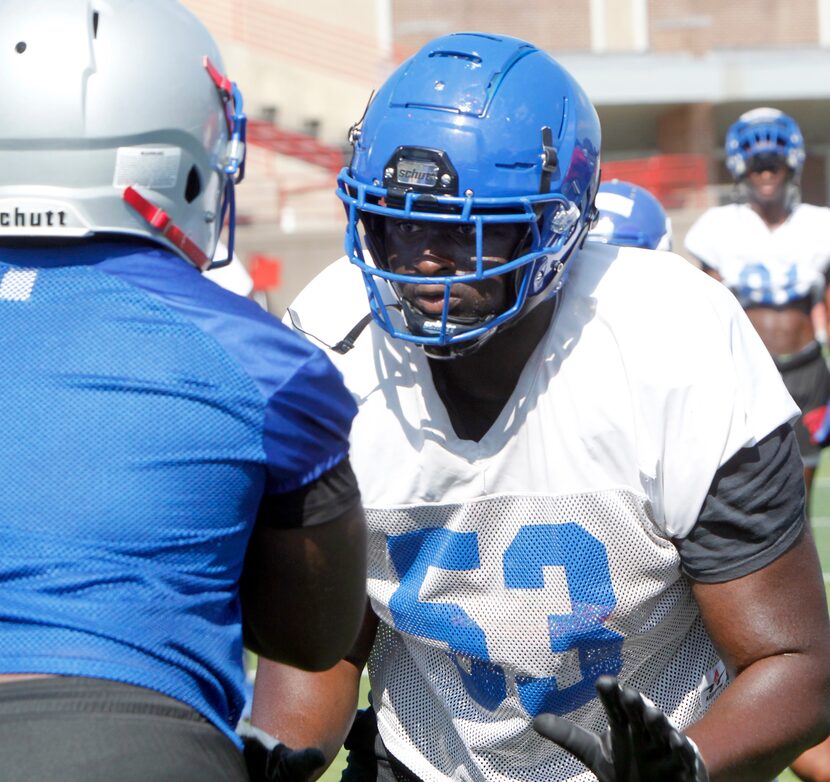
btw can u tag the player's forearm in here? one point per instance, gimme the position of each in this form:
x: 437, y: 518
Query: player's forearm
x: 305, y: 709
x: 771, y: 626
x: 775, y: 709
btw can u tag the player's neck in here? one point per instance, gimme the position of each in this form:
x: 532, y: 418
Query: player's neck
x: 475, y: 388
x: 773, y: 214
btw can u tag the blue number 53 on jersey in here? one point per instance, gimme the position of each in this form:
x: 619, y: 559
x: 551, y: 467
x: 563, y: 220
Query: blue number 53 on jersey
x: 534, y: 547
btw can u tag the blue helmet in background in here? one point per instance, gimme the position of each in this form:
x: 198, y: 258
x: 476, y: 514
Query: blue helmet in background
x: 763, y: 131
x: 631, y: 216
x: 474, y: 129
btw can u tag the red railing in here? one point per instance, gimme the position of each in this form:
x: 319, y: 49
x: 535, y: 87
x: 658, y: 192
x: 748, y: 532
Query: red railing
x: 290, y: 180
x: 675, y: 180
x: 297, y: 145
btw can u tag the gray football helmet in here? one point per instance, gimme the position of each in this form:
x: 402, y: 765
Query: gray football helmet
x: 116, y: 119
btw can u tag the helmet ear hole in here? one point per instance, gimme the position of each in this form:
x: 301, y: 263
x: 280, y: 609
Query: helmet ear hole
x: 193, y: 186
x: 373, y: 232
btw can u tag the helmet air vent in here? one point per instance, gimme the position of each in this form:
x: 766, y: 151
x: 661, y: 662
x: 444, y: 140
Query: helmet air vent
x: 193, y: 187
x: 469, y: 56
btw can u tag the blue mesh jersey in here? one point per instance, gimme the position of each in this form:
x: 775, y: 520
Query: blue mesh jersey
x: 145, y: 412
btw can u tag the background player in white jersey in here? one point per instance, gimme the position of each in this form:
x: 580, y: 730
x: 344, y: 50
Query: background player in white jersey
x: 773, y: 253
x: 576, y: 463
x: 164, y: 442
x: 629, y: 215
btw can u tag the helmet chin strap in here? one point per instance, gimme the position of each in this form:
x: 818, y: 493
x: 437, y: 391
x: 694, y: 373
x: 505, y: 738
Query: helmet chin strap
x: 161, y: 221
x: 229, y: 209
x: 345, y: 344
x: 234, y: 164
x: 456, y: 349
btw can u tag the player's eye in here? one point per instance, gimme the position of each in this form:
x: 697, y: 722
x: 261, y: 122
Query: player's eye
x: 406, y: 228
x: 464, y: 232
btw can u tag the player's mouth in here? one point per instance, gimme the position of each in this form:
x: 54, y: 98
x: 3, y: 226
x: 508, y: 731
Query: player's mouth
x: 430, y: 299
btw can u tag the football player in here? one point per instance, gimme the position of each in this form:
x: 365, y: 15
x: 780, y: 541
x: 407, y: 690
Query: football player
x: 175, y: 461
x: 631, y: 216
x: 773, y: 253
x: 582, y: 487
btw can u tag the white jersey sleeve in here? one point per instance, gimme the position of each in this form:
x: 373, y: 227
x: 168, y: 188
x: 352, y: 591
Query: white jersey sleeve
x: 705, y: 385
x: 738, y: 402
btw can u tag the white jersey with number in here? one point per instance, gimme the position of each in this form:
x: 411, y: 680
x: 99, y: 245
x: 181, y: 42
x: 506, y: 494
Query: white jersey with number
x: 509, y: 573
x: 761, y: 266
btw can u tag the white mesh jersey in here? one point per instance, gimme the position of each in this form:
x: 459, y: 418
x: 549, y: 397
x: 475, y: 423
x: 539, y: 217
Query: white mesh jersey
x: 509, y: 573
x: 762, y: 266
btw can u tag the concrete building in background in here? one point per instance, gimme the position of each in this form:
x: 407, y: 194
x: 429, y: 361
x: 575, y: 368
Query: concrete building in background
x: 667, y: 77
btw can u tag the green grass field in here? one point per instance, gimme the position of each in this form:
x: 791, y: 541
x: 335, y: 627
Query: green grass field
x: 821, y: 528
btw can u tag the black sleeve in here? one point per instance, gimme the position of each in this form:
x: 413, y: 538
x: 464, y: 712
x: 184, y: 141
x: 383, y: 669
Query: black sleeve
x: 754, y: 512
x: 322, y: 500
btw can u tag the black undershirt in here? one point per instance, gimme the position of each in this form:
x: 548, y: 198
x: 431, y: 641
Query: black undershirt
x: 754, y: 512
x: 324, y: 499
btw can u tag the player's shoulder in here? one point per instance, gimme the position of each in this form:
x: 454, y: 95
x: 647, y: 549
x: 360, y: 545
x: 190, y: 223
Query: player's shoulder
x: 185, y: 290
x: 667, y: 322
x: 260, y: 345
x: 331, y: 304
x: 716, y: 217
x: 632, y: 273
x: 634, y: 290
x: 712, y: 228
x: 272, y: 354
x: 810, y: 214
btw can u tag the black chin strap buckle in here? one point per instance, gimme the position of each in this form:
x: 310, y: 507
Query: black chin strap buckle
x: 550, y: 159
x: 345, y: 344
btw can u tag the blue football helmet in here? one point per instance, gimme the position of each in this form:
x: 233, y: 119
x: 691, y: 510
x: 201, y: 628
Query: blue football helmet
x: 631, y: 216
x: 763, y: 131
x: 473, y: 130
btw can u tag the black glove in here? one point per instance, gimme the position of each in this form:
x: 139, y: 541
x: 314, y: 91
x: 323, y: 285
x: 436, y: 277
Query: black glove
x: 362, y: 762
x: 640, y: 744
x: 269, y: 760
